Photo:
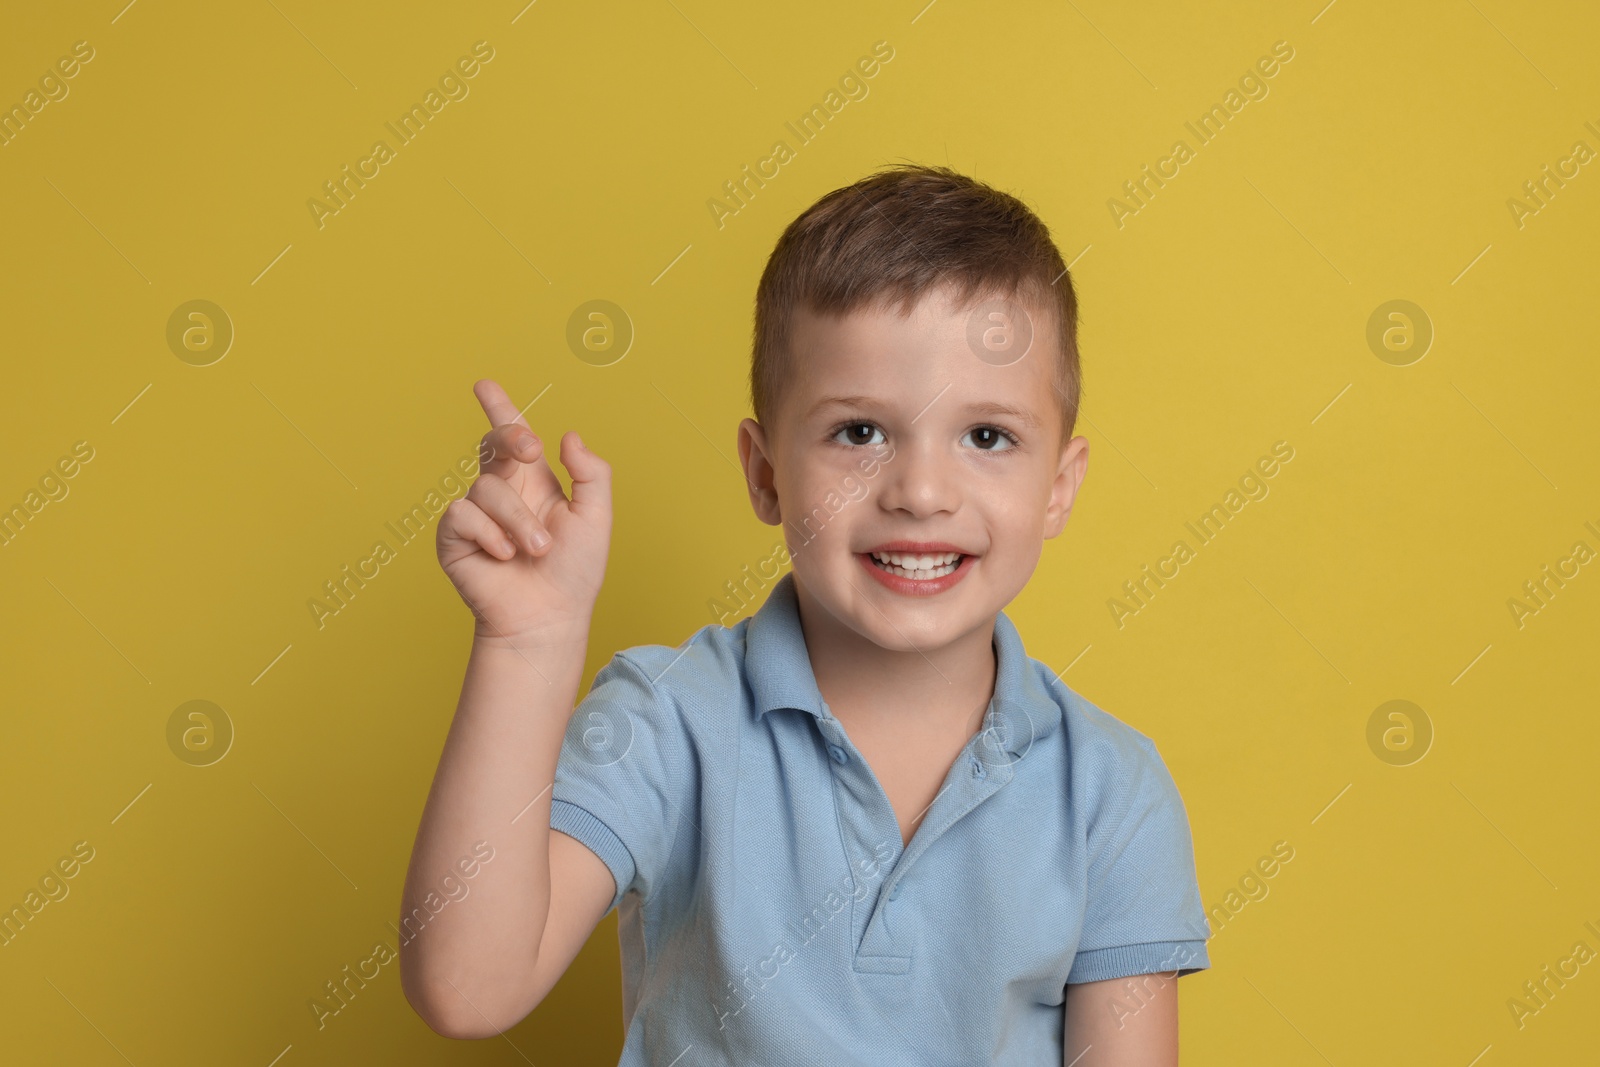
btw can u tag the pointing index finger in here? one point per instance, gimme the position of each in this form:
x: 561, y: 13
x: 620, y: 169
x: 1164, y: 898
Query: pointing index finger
x: 496, y: 404
x: 502, y: 412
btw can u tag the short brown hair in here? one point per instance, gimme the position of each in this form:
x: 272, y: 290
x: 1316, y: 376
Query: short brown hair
x: 893, y: 236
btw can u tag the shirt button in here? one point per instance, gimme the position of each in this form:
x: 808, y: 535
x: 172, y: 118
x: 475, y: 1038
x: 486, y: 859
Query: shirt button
x: 894, y: 890
x: 977, y: 768
x: 839, y: 755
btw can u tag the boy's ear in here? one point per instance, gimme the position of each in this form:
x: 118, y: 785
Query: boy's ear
x: 758, y: 472
x: 1064, y: 490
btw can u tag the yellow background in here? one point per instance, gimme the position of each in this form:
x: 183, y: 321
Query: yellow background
x: 1228, y: 314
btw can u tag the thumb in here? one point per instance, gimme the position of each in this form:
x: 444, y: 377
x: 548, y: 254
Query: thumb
x: 591, y: 475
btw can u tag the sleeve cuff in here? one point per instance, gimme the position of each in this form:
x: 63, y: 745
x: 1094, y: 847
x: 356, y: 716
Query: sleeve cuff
x: 597, y: 837
x: 1124, y: 961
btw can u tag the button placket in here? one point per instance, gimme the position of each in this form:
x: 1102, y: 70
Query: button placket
x: 866, y: 822
x: 969, y: 790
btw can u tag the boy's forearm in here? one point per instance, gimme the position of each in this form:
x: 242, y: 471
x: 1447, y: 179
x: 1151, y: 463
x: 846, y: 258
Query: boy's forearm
x: 476, y: 956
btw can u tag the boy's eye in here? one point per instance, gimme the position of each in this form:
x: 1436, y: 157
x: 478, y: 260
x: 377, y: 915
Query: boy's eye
x: 989, y: 439
x: 859, y: 433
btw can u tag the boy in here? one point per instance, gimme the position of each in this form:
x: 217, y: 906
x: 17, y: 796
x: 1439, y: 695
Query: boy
x: 860, y: 826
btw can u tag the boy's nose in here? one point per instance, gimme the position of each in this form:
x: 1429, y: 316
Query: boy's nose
x: 920, y: 482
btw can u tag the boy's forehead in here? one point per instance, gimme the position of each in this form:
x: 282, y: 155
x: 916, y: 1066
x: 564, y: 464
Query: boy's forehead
x: 880, y: 350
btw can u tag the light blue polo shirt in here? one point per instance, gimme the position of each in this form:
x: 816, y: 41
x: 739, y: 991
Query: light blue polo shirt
x: 769, y: 913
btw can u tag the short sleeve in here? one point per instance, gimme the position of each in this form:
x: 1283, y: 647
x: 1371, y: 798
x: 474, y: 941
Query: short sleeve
x: 621, y: 776
x: 1143, y: 913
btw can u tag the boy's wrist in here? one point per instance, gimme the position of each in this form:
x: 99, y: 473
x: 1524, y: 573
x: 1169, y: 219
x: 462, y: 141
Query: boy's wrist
x: 551, y: 634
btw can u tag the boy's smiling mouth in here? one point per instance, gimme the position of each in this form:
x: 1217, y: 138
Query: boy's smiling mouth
x: 917, y: 568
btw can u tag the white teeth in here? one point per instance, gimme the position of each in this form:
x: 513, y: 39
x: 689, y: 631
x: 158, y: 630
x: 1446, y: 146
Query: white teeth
x: 918, y: 567
x: 917, y: 563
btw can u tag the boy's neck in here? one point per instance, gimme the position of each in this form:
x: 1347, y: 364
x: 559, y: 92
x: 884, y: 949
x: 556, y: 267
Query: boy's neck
x: 940, y: 688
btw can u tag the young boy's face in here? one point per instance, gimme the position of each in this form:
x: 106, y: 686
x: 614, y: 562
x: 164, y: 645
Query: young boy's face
x: 916, y: 482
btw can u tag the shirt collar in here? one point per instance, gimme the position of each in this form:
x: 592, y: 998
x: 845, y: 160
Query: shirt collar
x: 1023, y: 710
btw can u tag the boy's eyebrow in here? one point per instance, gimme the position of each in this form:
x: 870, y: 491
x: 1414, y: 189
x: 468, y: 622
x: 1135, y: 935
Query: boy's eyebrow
x: 981, y: 408
x: 990, y: 408
x: 842, y: 402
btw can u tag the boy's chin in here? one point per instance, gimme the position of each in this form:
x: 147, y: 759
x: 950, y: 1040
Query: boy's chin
x: 904, y: 624
x: 927, y: 632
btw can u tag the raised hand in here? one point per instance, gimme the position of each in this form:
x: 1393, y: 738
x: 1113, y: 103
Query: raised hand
x: 527, y: 560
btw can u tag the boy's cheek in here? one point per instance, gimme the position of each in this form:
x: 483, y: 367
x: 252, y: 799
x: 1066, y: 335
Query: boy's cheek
x: 873, y: 461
